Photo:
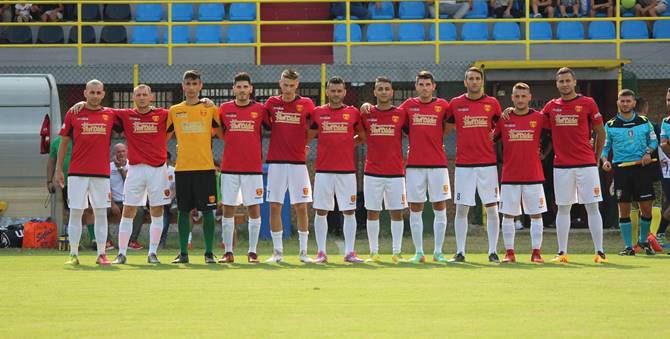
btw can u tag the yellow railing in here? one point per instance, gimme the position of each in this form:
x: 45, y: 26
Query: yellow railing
x: 348, y: 44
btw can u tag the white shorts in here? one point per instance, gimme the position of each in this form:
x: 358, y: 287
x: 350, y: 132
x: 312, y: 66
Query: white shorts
x: 433, y: 180
x: 81, y: 190
x: 238, y: 189
x: 482, y: 180
x: 145, y: 181
x: 341, y: 186
x: 577, y: 185
x: 291, y: 177
x: 390, y: 190
x: 531, y: 196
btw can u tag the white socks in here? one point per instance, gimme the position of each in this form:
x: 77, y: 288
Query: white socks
x: 228, y: 226
x: 321, y: 230
x: 277, y: 242
x: 536, y: 229
x: 74, y: 230
x: 397, y: 228
x: 349, y: 233
x: 595, y: 225
x: 100, y: 215
x: 461, y: 227
x: 416, y: 226
x: 439, y: 229
x: 254, y: 231
x: 563, y: 227
x: 155, y: 231
x: 373, y: 235
x: 302, y: 240
x: 508, y: 232
x: 492, y: 227
x: 125, y: 229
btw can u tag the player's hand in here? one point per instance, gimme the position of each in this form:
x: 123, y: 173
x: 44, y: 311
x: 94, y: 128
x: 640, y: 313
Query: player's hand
x: 607, y: 166
x: 207, y: 102
x: 505, y: 114
x: 492, y: 136
x: 51, y: 187
x: 76, y: 108
x: 646, y: 159
x: 365, y: 108
x: 59, y: 178
x: 307, y: 148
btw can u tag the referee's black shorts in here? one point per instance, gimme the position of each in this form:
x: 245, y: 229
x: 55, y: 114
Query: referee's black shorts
x: 196, y: 189
x: 634, y: 183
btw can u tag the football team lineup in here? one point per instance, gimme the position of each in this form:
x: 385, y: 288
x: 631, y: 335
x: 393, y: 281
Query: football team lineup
x: 581, y: 141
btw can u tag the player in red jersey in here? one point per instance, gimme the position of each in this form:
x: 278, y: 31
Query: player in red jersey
x: 572, y: 120
x: 522, y: 173
x: 427, y: 170
x: 88, y: 175
x: 339, y: 128
x: 241, y: 164
x: 288, y: 116
x: 384, y: 179
x: 475, y: 115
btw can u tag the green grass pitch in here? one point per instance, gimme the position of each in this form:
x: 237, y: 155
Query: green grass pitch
x: 625, y: 298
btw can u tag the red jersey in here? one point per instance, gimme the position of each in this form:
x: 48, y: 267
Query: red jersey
x: 145, y: 134
x: 426, y: 132
x: 289, y: 123
x: 520, y: 137
x: 242, y: 139
x: 474, y: 119
x: 384, y: 139
x: 91, y: 133
x: 335, y: 145
x: 571, y: 123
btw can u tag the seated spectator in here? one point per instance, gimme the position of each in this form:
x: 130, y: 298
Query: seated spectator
x: 6, y: 13
x: 503, y: 9
x: 51, y: 13
x: 455, y: 9
x: 563, y: 5
x: 543, y: 7
x: 24, y: 12
x: 650, y: 7
x: 356, y: 9
x: 602, y: 6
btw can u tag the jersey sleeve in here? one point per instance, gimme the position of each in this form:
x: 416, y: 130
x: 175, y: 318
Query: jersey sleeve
x: 309, y: 110
x: 652, y: 141
x: 314, y: 121
x: 221, y: 115
x: 268, y: 109
x: 497, y: 111
x: 53, y: 148
x: 594, y: 113
x: 665, y: 131
x: 608, y: 142
x: 169, y: 122
x: 449, y: 115
x: 66, y: 129
x: 216, y: 119
x: 547, y: 118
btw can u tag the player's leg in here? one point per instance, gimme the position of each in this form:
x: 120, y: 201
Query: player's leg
x: 324, y: 201
x: 300, y: 192
x: 254, y: 230
x: 278, y: 183
x: 185, y: 191
x: 231, y: 198
x: 510, y: 207
x: 643, y: 193
x: 345, y: 193
x: 78, y: 202
x: 395, y: 202
x: 465, y: 185
x: 416, y: 182
x: 487, y: 187
x: 565, y: 190
x: 206, y: 203
x: 589, y: 193
x: 373, y: 191
x: 439, y: 191
x: 99, y: 196
x: 134, y: 194
x: 534, y: 204
x: 158, y: 191
x: 251, y: 187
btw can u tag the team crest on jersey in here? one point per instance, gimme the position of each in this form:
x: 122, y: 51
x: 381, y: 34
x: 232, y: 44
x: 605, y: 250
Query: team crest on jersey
x: 298, y: 108
x: 254, y: 115
x: 105, y: 117
x: 353, y: 198
x: 155, y: 118
x: 259, y: 192
x: 395, y: 119
x: 438, y: 109
x: 212, y: 199
x: 630, y: 133
x: 166, y: 192
x: 578, y: 108
x: 487, y: 108
x: 533, y: 124
x: 203, y: 113
x: 345, y: 116
x: 305, y: 190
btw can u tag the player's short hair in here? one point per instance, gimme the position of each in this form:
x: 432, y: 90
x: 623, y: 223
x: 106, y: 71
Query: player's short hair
x: 191, y: 75
x: 565, y: 70
x: 474, y: 69
x: 140, y: 86
x: 626, y: 93
x: 521, y: 85
x: 425, y: 75
x: 383, y: 79
x: 336, y: 80
x: 95, y: 82
x: 242, y: 76
x: 290, y: 74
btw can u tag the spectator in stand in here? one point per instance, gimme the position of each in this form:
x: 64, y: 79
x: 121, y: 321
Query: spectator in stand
x: 650, y: 8
x: 52, y: 13
x: 503, y: 9
x: 455, y: 9
x: 563, y: 5
x: 6, y: 13
x: 543, y: 7
x: 24, y: 12
x: 356, y: 9
x: 602, y: 6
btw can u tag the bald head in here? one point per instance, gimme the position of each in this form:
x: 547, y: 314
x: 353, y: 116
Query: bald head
x: 120, y: 153
x: 142, y: 97
x: 94, y: 93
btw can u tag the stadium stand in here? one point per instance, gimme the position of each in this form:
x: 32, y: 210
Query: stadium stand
x: 411, y: 32
x: 662, y: 29
x: 340, y: 33
x: 570, y: 30
x: 145, y: 35
x: 634, y: 29
x: 148, y: 13
x: 411, y: 10
x: 387, y: 11
x: 113, y: 35
x: 475, y: 31
x: 180, y: 35
x: 240, y: 34
x: 87, y: 35
x: 182, y: 12
x: 208, y: 34
x: 379, y: 32
x: 506, y: 31
x: 50, y: 35
x: 242, y: 11
x: 601, y: 30
x: 117, y: 13
x: 540, y: 31
x: 447, y: 32
x: 211, y: 12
